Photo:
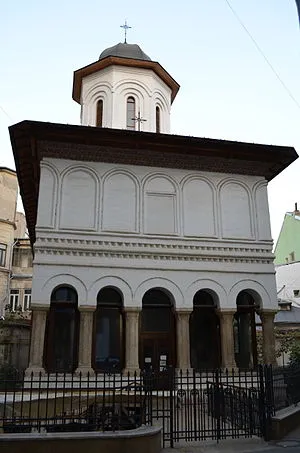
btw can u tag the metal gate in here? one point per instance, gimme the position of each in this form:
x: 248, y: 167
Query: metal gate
x: 216, y: 405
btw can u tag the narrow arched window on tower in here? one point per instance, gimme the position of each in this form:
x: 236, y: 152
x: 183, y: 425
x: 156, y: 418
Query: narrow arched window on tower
x: 130, y: 121
x: 157, y: 119
x: 99, y: 114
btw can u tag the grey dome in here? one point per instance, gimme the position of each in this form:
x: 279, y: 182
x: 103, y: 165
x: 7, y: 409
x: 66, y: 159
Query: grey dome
x: 126, y: 51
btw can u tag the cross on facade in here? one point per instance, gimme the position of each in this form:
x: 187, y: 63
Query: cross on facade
x: 125, y: 27
x: 139, y: 120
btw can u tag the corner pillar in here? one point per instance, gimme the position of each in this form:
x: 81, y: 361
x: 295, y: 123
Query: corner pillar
x: 227, y: 340
x: 183, y: 339
x: 37, y: 340
x: 85, y: 341
x: 132, y: 340
x: 267, y: 320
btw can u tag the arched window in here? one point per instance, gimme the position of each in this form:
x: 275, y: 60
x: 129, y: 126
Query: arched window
x: 244, y: 330
x: 109, y: 331
x: 130, y: 114
x: 157, y: 341
x: 62, y: 331
x: 157, y: 119
x: 99, y: 115
x: 204, y: 332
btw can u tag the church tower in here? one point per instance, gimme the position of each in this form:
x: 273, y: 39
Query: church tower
x: 125, y: 89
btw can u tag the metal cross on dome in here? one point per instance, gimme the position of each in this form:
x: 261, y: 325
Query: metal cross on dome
x: 139, y: 120
x: 126, y: 27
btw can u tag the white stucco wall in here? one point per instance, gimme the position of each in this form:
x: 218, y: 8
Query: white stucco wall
x: 113, y: 85
x: 138, y: 227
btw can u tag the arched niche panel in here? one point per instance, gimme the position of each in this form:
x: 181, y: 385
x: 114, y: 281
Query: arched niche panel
x: 47, y: 197
x: 120, y: 200
x: 235, y: 211
x: 160, y: 215
x: 78, y: 201
x: 262, y: 213
x: 198, y: 208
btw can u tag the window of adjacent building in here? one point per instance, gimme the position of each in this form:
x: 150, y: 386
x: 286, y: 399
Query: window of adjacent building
x: 130, y: 114
x: 2, y: 254
x: 22, y: 257
x: 14, y: 299
x: 27, y: 299
x: 157, y: 119
x: 99, y: 115
x: 292, y: 257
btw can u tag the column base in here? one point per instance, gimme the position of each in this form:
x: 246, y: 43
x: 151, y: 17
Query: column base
x: 230, y: 369
x: 35, y: 371
x: 184, y: 371
x: 131, y: 372
x: 84, y: 371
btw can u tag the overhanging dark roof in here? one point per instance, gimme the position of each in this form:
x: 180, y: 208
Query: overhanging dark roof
x: 33, y: 140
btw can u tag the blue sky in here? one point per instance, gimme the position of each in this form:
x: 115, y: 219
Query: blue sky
x: 228, y: 91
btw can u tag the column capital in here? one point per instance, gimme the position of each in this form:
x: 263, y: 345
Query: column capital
x: 267, y: 313
x: 132, y: 312
x: 87, y: 308
x: 184, y: 311
x: 226, y: 311
x: 39, y: 307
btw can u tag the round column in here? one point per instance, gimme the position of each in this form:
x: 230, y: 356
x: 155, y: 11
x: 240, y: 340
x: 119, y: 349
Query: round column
x: 85, y: 341
x: 37, y: 339
x: 183, y: 339
x: 132, y: 340
x: 227, y: 340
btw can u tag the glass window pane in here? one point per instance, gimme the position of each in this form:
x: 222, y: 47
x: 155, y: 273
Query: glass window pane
x: 130, y: 121
x: 64, y: 294
x: 108, y: 339
x: 157, y: 113
x: 2, y: 254
x: 109, y: 296
x: 99, y: 115
x: 156, y: 319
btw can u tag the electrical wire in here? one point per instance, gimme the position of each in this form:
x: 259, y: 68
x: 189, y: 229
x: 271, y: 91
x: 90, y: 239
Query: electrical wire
x: 263, y: 55
x: 5, y: 113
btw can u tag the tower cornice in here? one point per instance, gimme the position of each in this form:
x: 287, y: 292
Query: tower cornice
x: 121, y: 61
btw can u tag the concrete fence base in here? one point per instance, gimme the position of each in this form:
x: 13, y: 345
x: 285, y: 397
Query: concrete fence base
x: 144, y: 439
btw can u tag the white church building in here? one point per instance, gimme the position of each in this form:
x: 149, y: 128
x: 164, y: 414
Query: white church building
x: 150, y: 249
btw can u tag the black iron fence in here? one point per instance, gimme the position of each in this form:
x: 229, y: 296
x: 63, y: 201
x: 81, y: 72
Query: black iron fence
x: 188, y: 405
x: 66, y: 402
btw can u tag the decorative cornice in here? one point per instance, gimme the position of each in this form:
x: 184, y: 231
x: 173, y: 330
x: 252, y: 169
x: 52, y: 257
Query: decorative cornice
x: 151, y: 251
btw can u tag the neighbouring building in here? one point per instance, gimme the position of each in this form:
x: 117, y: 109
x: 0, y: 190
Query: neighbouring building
x: 150, y: 249
x: 15, y: 276
x: 287, y: 330
x: 287, y: 320
x: 287, y: 249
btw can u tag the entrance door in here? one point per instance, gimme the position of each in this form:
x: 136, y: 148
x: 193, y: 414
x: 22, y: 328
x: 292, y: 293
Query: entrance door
x: 157, y: 339
x: 156, y: 354
x: 157, y: 358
